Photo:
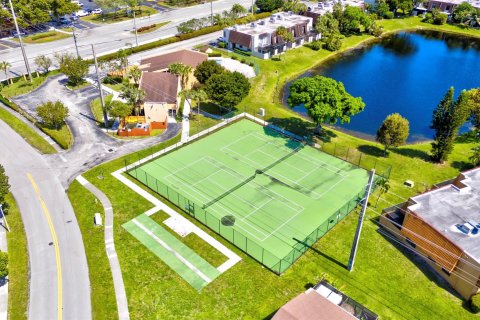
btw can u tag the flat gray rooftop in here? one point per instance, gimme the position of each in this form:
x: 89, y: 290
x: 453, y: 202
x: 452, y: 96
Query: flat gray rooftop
x: 445, y: 207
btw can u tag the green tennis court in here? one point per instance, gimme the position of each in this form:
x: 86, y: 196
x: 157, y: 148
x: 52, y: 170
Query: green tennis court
x: 269, y: 195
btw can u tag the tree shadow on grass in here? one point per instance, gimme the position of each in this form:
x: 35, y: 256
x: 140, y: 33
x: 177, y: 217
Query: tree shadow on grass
x: 462, y: 165
x: 371, y: 150
x: 321, y: 253
x: 294, y: 125
x: 413, y: 153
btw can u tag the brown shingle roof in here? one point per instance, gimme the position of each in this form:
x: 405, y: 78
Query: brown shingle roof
x: 160, y: 87
x: 311, y: 306
x: 161, y: 62
x: 240, y: 38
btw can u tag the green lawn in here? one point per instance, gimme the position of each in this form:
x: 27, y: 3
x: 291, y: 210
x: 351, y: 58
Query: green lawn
x: 387, y: 280
x: 96, y: 108
x: 121, y: 15
x: 27, y: 133
x: 44, y: 37
x: 17, y: 263
x: 85, y: 205
x: 63, y: 136
x: 22, y: 86
x: 199, y: 123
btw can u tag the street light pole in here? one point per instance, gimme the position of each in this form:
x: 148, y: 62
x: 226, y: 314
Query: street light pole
x: 211, y: 12
x: 75, y: 39
x: 4, y: 218
x: 21, y: 41
x: 135, y: 26
x: 99, y: 83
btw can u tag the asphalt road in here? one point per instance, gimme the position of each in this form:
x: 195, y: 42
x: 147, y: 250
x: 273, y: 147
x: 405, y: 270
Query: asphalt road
x: 111, y: 37
x: 57, y: 260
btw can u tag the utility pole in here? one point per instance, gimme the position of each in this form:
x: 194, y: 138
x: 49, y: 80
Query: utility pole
x: 4, y: 218
x: 21, y: 41
x: 353, y: 253
x: 75, y: 39
x: 99, y: 83
x: 135, y: 26
x: 211, y: 12
x: 252, y: 7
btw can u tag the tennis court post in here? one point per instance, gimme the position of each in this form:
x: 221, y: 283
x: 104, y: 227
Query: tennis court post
x: 353, y: 253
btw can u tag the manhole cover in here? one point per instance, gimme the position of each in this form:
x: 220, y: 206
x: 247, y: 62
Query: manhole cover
x: 228, y: 221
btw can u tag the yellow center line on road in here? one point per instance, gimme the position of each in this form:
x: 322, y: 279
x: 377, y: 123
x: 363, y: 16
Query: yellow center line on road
x: 55, y: 244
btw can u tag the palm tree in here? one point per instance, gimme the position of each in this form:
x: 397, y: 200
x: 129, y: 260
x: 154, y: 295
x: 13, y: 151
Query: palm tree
x: 133, y: 95
x: 384, y: 186
x: 181, y: 70
x: 198, y: 95
x: 135, y: 73
x: 287, y: 36
x: 4, y: 65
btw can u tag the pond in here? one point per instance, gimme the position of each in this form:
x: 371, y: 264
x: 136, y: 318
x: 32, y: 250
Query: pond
x: 408, y: 73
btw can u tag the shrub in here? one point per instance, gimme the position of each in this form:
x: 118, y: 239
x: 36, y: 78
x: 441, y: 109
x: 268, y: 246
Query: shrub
x: 112, y: 80
x: 251, y: 64
x: 389, y: 15
x: 234, y: 58
x: 474, y: 303
x: 222, y: 45
x: 440, y: 19
x: 428, y: 18
x: 243, y: 60
x: 3, y: 264
x: 43, y: 35
x: 145, y: 28
x: 315, y: 45
x: 214, y: 54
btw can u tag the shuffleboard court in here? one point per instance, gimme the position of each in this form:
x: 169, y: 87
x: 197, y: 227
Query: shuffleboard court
x: 270, y: 195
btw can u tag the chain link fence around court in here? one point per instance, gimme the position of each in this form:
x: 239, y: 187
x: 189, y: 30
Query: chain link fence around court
x: 276, y: 264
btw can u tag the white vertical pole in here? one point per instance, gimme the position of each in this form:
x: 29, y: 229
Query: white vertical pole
x: 353, y: 253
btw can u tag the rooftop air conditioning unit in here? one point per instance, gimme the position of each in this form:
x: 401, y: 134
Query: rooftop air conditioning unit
x: 262, y: 22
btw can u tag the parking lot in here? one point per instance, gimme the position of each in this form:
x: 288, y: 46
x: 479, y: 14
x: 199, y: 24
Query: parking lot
x: 5, y: 45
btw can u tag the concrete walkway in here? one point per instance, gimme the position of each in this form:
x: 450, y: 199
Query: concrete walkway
x: 120, y: 295
x: 186, y: 121
x: 3, y: 281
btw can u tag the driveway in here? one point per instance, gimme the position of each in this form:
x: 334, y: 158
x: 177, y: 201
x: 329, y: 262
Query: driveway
x: 91, y: 145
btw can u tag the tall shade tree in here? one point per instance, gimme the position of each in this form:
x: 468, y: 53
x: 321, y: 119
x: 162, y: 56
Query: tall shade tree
x: 325, y: 99
x: 206, y: 69
x: 269, y: 5
x: 198, y: 96
x: 120, y: 109
x: 4, y: 185
x: 227, y: 89
x: 473, y: 100
x: 75, y: 69
x: 327, y: 25
x: 60, y: 8
x: 4, y: 65
x: 463, y: 12
x: 393, y: 132
x: 43, y: 62
x: 286, y: 36
x: 294, y: 6
x: 53, y: 114
x: 447, y: 119
x: 133, y: 95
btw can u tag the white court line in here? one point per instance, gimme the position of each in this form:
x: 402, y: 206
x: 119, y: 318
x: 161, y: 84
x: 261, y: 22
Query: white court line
x: 233, y: 258
x: 169, y: 249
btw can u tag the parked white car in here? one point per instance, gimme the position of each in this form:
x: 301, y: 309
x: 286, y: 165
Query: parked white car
x: 78, y: 3
x: 82, y: 13
x: 97, y: 11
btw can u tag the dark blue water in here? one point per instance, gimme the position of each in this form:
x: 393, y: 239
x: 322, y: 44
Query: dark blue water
x: 407, y: 73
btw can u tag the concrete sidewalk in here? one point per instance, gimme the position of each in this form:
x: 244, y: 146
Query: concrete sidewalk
x: 186, y: 121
